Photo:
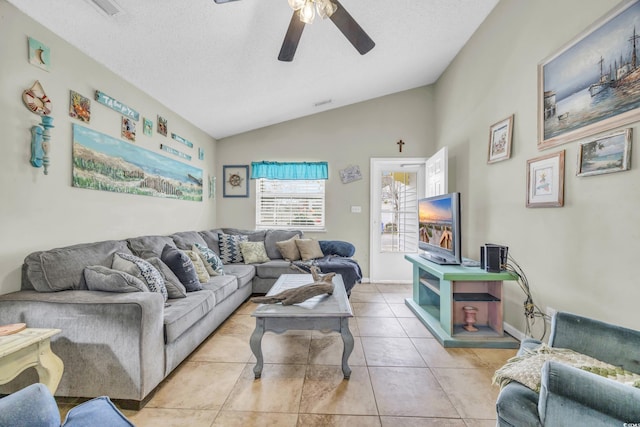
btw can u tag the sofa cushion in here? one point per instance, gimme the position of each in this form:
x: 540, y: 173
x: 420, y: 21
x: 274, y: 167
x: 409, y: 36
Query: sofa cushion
x: 230, y: 247
x: 182, y: 267
x: 274, y: 236
x: 252, y: 235
x: 62, y: 269
x: 185, y: 239
x: 309, y: 249
x: 198, y: 264
x: 243, y: 272
x: 211, y: 239
x: 253, y: 252
x: 175, y: 289
x: 337, y: 247
x: 181, y: 314
x: 274, y: 268
x: 211, y: 259
x: 288, y: 249
x: 222, y: 286
x: 149, y: 246
x: 141, y: 269
x: 101, y: 278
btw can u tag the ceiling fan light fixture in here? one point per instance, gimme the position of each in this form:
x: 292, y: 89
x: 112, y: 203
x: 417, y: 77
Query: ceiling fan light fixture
x: 308, y: 12
x: 326, y: 8
x: 296, y: 4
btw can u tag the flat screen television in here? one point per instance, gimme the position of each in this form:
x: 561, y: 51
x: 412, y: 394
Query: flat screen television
x: 439, y: 229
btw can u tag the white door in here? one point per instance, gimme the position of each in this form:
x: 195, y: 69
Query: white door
x: 437, y: 174
x: 396, y: 186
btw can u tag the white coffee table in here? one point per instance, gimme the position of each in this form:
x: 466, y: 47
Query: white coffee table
x: 322, y: 313
x: 30, y: 348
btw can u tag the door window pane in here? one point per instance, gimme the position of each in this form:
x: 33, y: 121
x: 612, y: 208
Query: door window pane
x: 399, y: 212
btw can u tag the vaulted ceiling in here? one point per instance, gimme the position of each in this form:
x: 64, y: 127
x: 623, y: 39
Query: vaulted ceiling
x: 216, y: 64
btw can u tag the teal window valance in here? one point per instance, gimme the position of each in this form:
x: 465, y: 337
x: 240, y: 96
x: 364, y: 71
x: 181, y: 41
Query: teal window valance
x: 290, y: 170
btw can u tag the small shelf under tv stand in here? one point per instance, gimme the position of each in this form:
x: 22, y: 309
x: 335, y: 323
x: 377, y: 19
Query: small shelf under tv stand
x: 440, y: 292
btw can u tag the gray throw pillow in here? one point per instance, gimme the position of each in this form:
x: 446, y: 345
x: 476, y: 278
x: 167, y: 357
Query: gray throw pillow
x: 182, y: 267
x: 101, y: 278
x: 175, y: 289
x: 142, y: 270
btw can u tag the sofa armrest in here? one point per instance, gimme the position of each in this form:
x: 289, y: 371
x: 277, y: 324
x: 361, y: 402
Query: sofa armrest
x: 603, y: 341
x: 111, y: 343
x: 569, y: 393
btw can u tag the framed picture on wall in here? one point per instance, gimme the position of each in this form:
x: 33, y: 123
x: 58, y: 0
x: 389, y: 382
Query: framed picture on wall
x: 545, y: 181
x: 605, y: 154
x: 235, y: 181
x: 590, y: 85
x: 500, y: 140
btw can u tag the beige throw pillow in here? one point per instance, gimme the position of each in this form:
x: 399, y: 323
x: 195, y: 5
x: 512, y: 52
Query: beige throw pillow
x: 253, y: 252
x: 309, y: 249
x: 201, y: 271
x: 289, y: 249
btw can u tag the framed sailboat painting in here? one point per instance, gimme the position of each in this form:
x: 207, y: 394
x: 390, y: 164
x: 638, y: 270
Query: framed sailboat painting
x: 593, y: 83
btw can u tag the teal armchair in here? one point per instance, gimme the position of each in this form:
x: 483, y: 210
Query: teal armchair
x: 570, y: 396
x: 34, y: 406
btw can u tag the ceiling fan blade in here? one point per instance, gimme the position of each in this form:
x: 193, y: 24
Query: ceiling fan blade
x: 351, y: 30
x: 223, y: 1
x: 291, y: 39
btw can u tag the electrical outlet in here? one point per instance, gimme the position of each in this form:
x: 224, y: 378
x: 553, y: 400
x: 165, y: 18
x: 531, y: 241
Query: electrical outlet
x: 551, y: 312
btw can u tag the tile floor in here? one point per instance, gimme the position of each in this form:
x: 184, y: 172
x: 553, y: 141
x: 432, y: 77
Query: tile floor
x: 401, y: 375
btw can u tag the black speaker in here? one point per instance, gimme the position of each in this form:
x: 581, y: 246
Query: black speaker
x: 493, y: 257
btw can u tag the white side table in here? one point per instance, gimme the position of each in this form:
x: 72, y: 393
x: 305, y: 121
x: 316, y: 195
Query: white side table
x: 30, y: 348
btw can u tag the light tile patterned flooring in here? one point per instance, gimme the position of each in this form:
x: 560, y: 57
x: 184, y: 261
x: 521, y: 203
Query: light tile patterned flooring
x: 401, y: 375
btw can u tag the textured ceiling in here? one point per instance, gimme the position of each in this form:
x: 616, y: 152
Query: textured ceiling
x: 216, y: 64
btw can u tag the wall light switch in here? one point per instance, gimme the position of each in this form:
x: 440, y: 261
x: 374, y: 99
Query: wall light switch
x: 356, y: 209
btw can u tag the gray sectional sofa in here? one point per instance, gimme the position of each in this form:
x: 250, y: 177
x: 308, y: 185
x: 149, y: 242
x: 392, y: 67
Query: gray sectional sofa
x: 123, y: 344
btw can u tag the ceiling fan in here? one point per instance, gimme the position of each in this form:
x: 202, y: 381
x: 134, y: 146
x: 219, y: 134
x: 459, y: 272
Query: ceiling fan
x: 326, y: 8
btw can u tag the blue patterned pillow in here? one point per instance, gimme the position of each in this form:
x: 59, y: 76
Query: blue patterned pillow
x: 211, y: 258
x: 229, y: 244
x: 142, y: 270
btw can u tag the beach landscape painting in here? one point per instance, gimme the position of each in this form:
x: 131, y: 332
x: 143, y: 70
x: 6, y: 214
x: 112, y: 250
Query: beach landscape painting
x: 606, y: 154
x: 102, y: 162
x: 593, y: 84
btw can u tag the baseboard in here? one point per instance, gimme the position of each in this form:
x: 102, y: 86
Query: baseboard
x: 511, y: 330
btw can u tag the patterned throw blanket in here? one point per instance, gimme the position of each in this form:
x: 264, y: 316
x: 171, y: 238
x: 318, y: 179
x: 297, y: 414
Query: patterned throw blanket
x: 526, y: 368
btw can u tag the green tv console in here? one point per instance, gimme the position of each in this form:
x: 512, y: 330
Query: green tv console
x: 441, y: 291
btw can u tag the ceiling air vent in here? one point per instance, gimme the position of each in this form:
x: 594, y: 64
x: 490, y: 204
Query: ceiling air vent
x: 108, y: 7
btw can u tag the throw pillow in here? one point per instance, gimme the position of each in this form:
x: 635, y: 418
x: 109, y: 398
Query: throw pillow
x: 182, y: 267
x: 175, y: 289
x: 201, y: 270
x: 309, y: 249
x: 212, y: 259
x: 207, y: 266
x: 101, y: 278
x: 142, y: 270
x: 289, y: 249
x: 230, y: 248
x: 253, y: 252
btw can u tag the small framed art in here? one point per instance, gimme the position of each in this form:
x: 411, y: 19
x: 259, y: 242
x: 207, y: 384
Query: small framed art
x: 500, y: 140
x: 605, y: 154
x: 545, y: 181
x: 235, y: 181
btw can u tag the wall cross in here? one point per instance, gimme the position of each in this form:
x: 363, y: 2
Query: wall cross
x: 400, y: 144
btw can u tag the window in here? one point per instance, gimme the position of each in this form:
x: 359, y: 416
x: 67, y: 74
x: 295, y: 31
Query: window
x: 282, y: 203
x: 399, y: 212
